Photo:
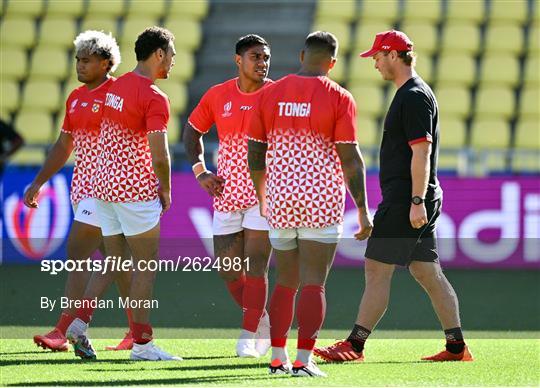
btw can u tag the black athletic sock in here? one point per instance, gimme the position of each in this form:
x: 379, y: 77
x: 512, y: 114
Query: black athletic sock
x: 358, y: 337
x: 454, y: 340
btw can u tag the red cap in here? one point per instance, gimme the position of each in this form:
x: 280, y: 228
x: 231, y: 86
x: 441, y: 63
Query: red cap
x: 388, y: 41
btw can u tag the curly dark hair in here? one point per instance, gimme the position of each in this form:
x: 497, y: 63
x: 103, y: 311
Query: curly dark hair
x: 150, y: 40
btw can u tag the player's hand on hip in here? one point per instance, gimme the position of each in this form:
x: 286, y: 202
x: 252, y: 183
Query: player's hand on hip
x: 31, y: 194
x: 366, y: 225
x: 165, y: 199
x: 211, y: 183
x: 418, y: 216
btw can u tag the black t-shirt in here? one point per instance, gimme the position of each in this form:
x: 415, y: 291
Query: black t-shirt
x: 412, y: 117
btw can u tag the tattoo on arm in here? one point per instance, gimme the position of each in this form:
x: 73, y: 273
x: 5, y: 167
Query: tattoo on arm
x: 257, y: 155
x: 357, y: 187
x: 354, y: 172
x: 193, y: 144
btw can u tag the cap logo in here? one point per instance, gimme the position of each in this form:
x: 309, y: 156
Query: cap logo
x: 385, y: 47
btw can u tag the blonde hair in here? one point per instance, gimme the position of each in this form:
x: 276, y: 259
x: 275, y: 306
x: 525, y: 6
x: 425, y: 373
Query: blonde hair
x: 99, y: 43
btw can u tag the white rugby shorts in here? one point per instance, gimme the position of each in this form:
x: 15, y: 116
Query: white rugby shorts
x: 85, y: 212
x: 286, y: 239
x: 234, y: 222
x: 127, y: 218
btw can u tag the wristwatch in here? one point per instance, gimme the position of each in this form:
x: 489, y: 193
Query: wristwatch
x: 417, y: 200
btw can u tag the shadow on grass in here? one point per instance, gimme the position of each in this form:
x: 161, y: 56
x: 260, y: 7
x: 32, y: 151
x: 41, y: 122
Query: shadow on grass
x: 29, y: 352
x: 187, y: 367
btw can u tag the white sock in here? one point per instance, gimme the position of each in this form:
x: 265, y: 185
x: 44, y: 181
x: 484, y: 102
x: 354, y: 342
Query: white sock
x: 304, y: 356
x: 280, y: 353
x: 247, y: 334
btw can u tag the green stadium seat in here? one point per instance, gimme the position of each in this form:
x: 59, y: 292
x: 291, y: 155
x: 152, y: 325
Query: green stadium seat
x: 499, y: 69
x: 515, y: 11
x: 57, y: 31
x: 48, y: 63
x: 173, y: 129
x: 534, y: 40
x: 490, y: 134
x: 423, y: 35
x: 368, y: 134
x: 28, y: 156
x: 17, y: 32
x: 129, y: 60
x: 196, y: 10
x: 453, y: 131
x: 100, y: 23
x: 149, y: 9
x: 365, y: 34
x: 472, y: 12
x: 340, y: 29
x: 455, y: 69
x: 178, y: 95
x: 532, y: 70
x: 460, y: 38
x: 70, y: 86
x: 330, y: 10
x: 363, y: 70
x: 529, y: 103
x: 505, y: 39
x: 71, y: 8
x: 111, y: 8
x: 370, y: 99
x: 185, y: 68
x: 338, y: 72
x: 187, y: 33
x: 424, y: 11
x: 13, y: 63
x: 495, y: 103
x: 24, y: 9
x: 132, y: 27
x: 41, y: 95
x: 528, y: 134
x: 9, y: 96
x: 384, y: 11
x: 454, y: 101
x: 424, y: 66
x: 35, y: 126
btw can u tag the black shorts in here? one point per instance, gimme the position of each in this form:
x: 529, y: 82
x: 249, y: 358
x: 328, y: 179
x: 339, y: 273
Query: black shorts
x: 393, y: 239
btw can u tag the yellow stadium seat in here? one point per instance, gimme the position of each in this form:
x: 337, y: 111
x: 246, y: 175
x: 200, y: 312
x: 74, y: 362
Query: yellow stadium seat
x: 35, y: 126
x: 363, y: 70
x: 100, y: 23
x: 423, y: 35
x: 173, y: 129
x: 490, y: 134
x: 495, y: 102
x: 129, y: 61
x: 453, y: 131
x: 506, y: 39
x: 470, y: 11
x: 369, y: 99
x: 423, y: 11
x: 13, y: 64
x: 455, y: 69
x: 460, y: 38
x: 132, y: 27
x: 71, y: 8
x: 380, y: 10
x: 525, y: 162
x: 340, y: 29
x: 177, y: 93
x: 499, y: 69
x: 336, y: 10
x: 43, y: 95
x: 185, y: 68
x: 17, y: 32
x: 528, y: 134
x: 338, y: 72
x: 365, y: 34
x: 153, y: 9
x: 534, y: 40
x: 532, y: 70
x: 9, y: 95
x: 187, y: 33
x: 529, y: 103
x: 25, y: 9
x: 111, y: 8
x: 28, y: 156
x: 70, y: 86
x: 454, y: 101
x: 196, y: 10
x: 57, y: 31
x: 424, y: 66
x: 515, y: 11
x: 368, y: 134
x: 48, y: 63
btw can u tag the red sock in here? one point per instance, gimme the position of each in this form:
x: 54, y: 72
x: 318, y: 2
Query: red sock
x: 64, y: 321
x: 85, y: 313
x: 142, y: 332
x: 310, y: 314
x: 236, y: 288
x: 281, y: 311
x: 129, y: 315
x: 254, y: 301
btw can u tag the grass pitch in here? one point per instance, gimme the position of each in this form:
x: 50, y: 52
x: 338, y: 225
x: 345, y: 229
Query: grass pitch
x: 501, y: 360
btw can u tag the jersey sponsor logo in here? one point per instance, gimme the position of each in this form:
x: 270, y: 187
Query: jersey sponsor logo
x: 227, y: 109
x: 95, y: 108
x: 114, y: 101
x: 246, y: 107
x: 294, y: 109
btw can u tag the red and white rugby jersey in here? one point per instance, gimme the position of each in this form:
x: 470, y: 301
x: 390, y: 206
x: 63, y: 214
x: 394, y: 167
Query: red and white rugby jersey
x: 230, y: 109
x: 301, y: 119
x: 82, y: 120
x: 133, y: 108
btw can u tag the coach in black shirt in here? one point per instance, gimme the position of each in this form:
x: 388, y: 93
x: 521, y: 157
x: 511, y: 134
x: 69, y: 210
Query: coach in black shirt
x: 404, y: 225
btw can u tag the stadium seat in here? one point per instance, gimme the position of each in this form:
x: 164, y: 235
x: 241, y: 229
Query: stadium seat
x: 48, y: 63
x: 340, y: 29
x: 424, y: 66
x: 368, y: 134
x: 185, y: 68
x: 24, y: 9
x: 9, y: 95
x: 528, y: 134
x: 13, y: 63
x: 188, y: 34
x: 365, y: 34
x: 344, y: 10
x: 363, y: 70
x: 460, y: 38
x: 111, y: 8
x: 17, y: 32
x: 423, y: 35
x: 534, y: 40
x: 491, y: 140
x: 499, y: 69
x: 529, y: 103
x: 28, y: 156
x: 338, y: 72
x: 173, y: 129
x: 505, y: 39
x: 453, y: 131
x: 386, y: 11
x: 425, y: 11
x: 100, y: 23
x: 454, y: 101
x: 57, y: 31
x: 35, y: 126
x: 132, y: 27
x: 71, y: 8
x: 471, y: 11
x: 196, y: 10
x: 68, y: 88
x: 129, y: 60
x: 532, y: 70
x: 515, y: 11
x: 177, y: 93
x: 369, y: 99
x: 525, y: 162
x: 150, y: 9
x: 495, y: 103
x: 455, y: 69
x: 42, y: 95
